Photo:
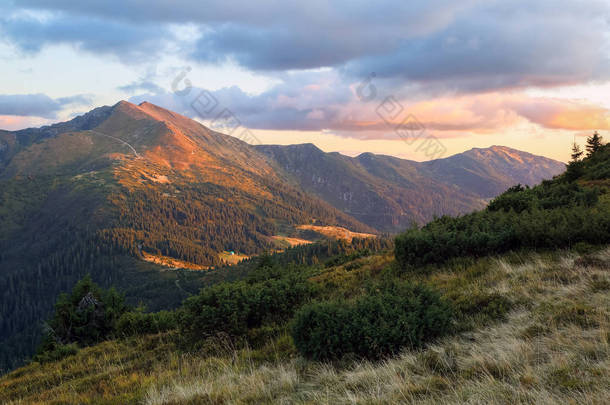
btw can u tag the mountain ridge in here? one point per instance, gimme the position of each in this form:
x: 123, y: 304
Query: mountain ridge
x: 397, y: 189
x: 385, y: 192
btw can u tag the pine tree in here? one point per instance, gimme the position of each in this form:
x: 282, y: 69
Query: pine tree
x: 576, y: 152
x: 594, y: 142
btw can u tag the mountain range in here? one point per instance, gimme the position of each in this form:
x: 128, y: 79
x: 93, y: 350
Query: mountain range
x: 390, y: 194
x: 147, y: 145
x: 123, y: 188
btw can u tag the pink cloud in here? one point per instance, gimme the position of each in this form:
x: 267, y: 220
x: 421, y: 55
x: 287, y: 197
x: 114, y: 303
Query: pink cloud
x: 467, y: 114
x: 15, y: 122
x: 564, y: 114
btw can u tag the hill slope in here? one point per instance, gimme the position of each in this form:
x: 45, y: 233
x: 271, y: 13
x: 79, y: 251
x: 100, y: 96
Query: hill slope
x: 551, y: 348
x: 572, y: 208
x: 122, y: 183
x: 520, y: 322
x: 390, y: 193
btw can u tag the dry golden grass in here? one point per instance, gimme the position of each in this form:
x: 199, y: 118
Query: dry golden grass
x: 286, y: 241
x: 336, y: 232
x: 552, y: 349
x: 167, y: 261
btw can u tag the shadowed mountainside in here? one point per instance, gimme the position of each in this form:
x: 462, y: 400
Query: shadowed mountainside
x: 388, y: 193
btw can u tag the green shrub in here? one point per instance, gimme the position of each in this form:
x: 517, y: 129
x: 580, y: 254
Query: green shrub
x: 546, y: 196
x: 140, y: 323
x: 234, y: 308
x: 493, y: 232
x: 344, y: 257
x: 54, y: 351
x: 373, y: 326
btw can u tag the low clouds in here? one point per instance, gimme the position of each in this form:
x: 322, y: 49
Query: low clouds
x: 564, y: 114
x: 322, y: 101
x: 141, y: 85
x: 303, y: 101
x: 39, y: 105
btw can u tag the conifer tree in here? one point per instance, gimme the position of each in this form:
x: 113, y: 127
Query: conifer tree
x: 576, y: 152
x: 594, y: 143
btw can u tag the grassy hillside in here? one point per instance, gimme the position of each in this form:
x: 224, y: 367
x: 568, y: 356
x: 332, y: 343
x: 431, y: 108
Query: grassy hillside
x: 550, y: 345
x: 509, y: 304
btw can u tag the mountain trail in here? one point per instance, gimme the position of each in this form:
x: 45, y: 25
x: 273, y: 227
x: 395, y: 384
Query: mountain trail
x: 135, y: 152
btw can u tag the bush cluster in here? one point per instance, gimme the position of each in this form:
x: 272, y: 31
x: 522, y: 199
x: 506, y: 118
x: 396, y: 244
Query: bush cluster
x: 556, y: 214
x: 138, y: 322
x: 374, y: 326
x: 493, y: 232
x: 233, y: 308
x: 90, y: 314
x: 85, y: 316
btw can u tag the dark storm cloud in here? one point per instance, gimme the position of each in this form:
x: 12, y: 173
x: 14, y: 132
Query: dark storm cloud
x: 275, y: 48
x: 39, y: 105
x: 502, y: 46
x: 128, y: 42
x: 277, y: 35
x: 308, y: 16
x: 418, y: 49
x: 459, y: 45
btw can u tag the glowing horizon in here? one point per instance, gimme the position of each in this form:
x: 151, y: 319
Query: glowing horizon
x: 468, y: 74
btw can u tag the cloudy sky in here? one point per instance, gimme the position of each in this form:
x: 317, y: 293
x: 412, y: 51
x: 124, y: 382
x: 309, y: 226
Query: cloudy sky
x: 389, y: 76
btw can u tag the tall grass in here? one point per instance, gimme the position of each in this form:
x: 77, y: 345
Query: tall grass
x: 552, y: 347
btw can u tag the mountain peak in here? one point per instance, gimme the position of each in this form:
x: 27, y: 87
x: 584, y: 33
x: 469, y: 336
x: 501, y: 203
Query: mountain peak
x: 123, y: 103
x: 128, y: 108
x: 153, y: 111
x: 503, y: 153
x: 171, y: 117
x: 297, y: 147
x: 501, y: 148
x: 308, y: 145
x: 494, y: 148
x: 125, y: 106
x: 366, y: 155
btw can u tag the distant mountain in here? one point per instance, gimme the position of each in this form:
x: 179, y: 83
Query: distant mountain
x: 490, y: 171
x: 388, y: 193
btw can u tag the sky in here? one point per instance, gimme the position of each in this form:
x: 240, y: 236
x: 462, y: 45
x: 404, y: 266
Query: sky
x: 417, y: 79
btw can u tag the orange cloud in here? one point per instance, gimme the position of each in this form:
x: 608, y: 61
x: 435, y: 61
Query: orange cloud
x: 478, y: 113
x: 564, y: 114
